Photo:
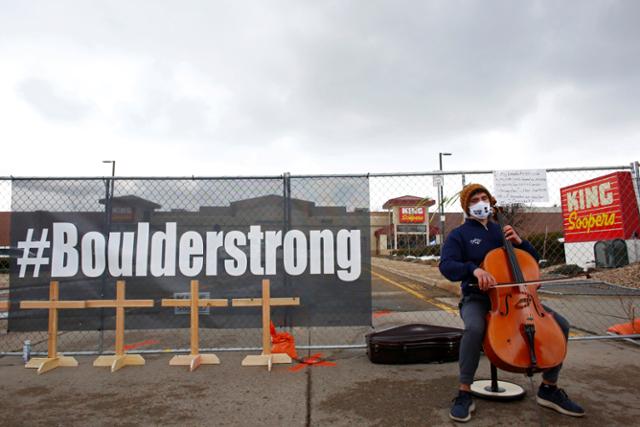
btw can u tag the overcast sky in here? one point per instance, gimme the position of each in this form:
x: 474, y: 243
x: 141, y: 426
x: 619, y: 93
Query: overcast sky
x: 261, y: 87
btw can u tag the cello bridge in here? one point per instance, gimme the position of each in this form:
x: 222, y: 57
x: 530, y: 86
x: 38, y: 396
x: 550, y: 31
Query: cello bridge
x: 524, y: 302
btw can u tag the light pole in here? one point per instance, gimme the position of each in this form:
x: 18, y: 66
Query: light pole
x: 113, y: 172
x: 441, y: 197
x: 113, y: 167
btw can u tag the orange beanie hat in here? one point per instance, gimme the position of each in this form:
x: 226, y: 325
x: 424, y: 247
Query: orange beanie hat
x: 468, y: 191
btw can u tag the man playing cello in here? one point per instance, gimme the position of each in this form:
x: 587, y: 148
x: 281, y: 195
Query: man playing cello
x: 462, y: 253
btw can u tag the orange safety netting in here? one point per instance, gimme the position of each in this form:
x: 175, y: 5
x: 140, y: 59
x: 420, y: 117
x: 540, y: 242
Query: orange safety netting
x: 626, y: 328
x: 313, y: 360
x: 128, y: 347
x: 283, y: 342
x: 381, y: 313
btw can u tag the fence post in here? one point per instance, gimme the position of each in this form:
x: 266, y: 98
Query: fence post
x: 108, y: 209
x: 286, y: 195
x: 635, y: 170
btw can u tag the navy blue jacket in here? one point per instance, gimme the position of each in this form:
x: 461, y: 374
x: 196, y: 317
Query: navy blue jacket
x: 465, y: 248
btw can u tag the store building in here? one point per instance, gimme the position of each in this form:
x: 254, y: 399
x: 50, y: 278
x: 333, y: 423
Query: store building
x: 407, y: 225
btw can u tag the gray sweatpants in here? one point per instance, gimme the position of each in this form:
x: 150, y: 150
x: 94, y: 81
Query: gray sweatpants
x: 473, y: 309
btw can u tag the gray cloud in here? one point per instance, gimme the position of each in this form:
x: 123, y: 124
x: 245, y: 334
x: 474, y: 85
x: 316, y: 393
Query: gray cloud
x: 354, y: 76
x: 52, y: 103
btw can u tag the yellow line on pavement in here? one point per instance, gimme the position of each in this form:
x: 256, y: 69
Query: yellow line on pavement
x: 442, y: 306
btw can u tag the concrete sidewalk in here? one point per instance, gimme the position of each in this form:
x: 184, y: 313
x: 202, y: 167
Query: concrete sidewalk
x: 601, y: 375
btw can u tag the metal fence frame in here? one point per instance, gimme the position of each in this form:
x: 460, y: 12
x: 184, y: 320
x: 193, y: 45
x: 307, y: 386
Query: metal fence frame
x: 111, y: 182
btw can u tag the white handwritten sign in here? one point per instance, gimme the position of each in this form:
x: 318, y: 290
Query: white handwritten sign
x: 520, y: 186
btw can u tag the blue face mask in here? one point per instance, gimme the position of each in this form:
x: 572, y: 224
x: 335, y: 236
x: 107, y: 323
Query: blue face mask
x: 480, y: 210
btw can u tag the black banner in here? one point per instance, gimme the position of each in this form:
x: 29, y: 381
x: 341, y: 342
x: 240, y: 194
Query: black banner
x: 309, y: 236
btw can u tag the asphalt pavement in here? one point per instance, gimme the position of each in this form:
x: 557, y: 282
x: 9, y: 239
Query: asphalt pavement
x: 344, y: 389
x: 602, y: 376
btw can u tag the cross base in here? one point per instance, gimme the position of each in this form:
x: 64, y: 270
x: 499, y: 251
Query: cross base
x: 266, y: 359
x: 46, y: 364
x: 119, y: 361
x: 194, y: 360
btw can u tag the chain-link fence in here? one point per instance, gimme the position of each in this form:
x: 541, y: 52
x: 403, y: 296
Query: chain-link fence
x: 298, y: 231
x: 588, y: 224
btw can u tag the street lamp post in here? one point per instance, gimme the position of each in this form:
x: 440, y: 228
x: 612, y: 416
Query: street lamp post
x: 441, y: 197
x: 113, y: 172
x: 113, y: 166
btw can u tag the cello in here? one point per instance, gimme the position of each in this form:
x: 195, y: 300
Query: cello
x: 521, y: 336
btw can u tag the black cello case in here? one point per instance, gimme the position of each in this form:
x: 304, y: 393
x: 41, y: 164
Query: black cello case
x: 415, y: 343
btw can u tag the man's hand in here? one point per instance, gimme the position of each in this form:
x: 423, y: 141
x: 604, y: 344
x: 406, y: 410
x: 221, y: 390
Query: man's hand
x: 485, y: 279
x: 511, y: 235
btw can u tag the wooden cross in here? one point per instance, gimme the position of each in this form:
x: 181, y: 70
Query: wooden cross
x: 266, y: 302
x: 120, y: 359
x: 53, y: 360
x: 194, y: 359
